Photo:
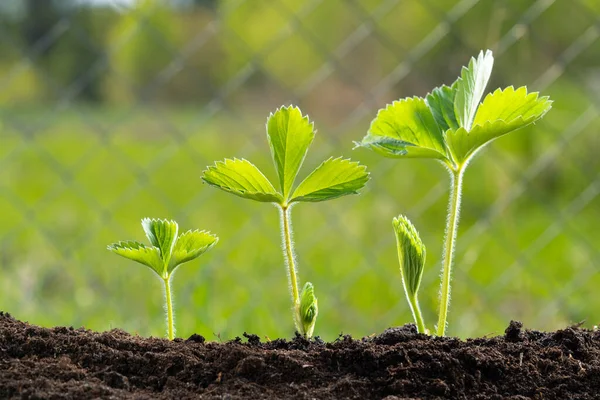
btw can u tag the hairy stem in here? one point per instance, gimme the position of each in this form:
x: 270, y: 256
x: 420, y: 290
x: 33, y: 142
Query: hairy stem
x: 290, y: 259
x: 416, y: 312
x: 451, y: 229
x: 169, y: 305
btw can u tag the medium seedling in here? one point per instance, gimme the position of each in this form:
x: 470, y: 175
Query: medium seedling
x: 289, y: 134
x: 167, y: 252
x: 451, y: 126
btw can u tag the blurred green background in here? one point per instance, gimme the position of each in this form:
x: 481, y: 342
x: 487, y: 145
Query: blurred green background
x: 110, y: 110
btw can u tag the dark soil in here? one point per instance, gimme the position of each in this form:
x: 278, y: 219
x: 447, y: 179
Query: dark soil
x: 67, y: 363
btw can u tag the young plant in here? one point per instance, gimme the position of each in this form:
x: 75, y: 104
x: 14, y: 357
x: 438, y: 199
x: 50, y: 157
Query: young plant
x: 411, y: 255
x: 451, y: 125
x: 166, y: 253
x: 289, y: 134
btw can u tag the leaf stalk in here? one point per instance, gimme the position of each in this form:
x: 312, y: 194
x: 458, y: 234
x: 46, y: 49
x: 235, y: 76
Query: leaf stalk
x: 290, y: 259
x: 169, y: 306
x: 456, y: 176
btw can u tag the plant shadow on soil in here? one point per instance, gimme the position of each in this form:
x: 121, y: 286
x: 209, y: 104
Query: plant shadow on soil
x: 67, y: 363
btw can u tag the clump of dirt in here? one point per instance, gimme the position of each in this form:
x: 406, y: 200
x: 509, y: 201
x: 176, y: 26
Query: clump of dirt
x: 67, y: 363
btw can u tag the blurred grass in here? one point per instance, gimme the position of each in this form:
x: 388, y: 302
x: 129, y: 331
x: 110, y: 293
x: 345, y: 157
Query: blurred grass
x: 67, y: 190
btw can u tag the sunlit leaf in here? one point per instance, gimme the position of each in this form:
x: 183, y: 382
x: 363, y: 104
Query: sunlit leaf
x: 335, y: 177
x: 500, y: 113
x: 190, y: 245
x: 241, y: 178
x: 162, y: 233
x: 406, y: 128
x: 470, y: 87
x: 441, y: 104
x: 289, y: 134
x: 149, y: 256
x: 309, y: 309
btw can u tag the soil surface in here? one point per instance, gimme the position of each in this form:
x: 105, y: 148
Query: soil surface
x: 67, y: 363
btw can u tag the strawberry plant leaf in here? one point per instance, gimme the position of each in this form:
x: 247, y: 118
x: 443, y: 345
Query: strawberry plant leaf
x: 161, y: 233
x: 242, y: 178
x: 470, y: 87
x: 136, y: 251
x: 500, y: 113
x: 411, y: 254
x: 441, y: 104
x: 406, y: 128
x: 190, y: 245
x: 309, y: 309
x: 289, y: 134
x: 334, y: 178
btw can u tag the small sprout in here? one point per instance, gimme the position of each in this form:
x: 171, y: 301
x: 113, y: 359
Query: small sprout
x: 309, y: 309
x: 411, y: 254
x: 167, y: 252
x: 451, y: 124
x: 289, y: 134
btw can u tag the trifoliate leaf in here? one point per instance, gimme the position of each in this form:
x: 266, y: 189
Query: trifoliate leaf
x: 241, y: 178
x: 441, y: 104
x: 309, y: 309
x: 190, y: 245
x: 162, y: 234
x: 406, y: 128
x: 289, y: 134
x: 334, y: 178
x: 470, y: 87
x: 149, y: 256
x: 411, y: 254
x: 500, y: 113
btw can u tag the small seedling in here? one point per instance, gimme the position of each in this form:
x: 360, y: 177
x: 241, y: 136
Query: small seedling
x: 167, y: 252
x: 289, y: 134
x: 411, y: 255
x: 451, y: 126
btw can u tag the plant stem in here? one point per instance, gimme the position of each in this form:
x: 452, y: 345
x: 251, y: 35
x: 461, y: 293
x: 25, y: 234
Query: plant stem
x: 290, y: 260
x: 416, y: 311
x: 451, y: 229
x: 169, y: 304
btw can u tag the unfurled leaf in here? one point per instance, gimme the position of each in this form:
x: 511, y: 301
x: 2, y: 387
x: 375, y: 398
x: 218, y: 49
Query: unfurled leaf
x: 149, y: 256
x: 470, y: 88
x: 406, y: 128
x: 241, y: 178
x: 411, y: 254
x: 190, y: 245
x: 335, y: 177
x: 289, y: 134
x: 162, y: 234
x: 441, y: 104
x: 309, y: 309
x: 501, y: 112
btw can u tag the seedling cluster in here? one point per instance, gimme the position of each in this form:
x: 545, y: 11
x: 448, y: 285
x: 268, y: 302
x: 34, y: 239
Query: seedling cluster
x: 451, y: 124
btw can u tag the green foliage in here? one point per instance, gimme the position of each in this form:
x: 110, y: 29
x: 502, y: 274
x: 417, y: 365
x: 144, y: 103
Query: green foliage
x: 289, y: 134
x: 167, y: 252
x: 449, y: 125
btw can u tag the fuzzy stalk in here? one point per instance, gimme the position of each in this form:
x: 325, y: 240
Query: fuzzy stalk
x: 456, y: 176
x: 169, y: 307
x: 290, y: 260
x: 416, y: 312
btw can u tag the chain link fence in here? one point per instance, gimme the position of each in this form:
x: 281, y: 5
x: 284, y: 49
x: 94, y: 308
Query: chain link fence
x: 112, y: 109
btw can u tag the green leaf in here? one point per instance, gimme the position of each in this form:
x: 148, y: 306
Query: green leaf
x: 309, y: 309
x: 406, y: 128
x: 334, y: 178
x: 411, y: 254
x: 470, y: 87
x: 162, y: 233
x: 241, y: 178
x: 441, y: 103
x: 189, y: 246
x: 500, y: 113
x: 149, y: 256
x: 289, y: 134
